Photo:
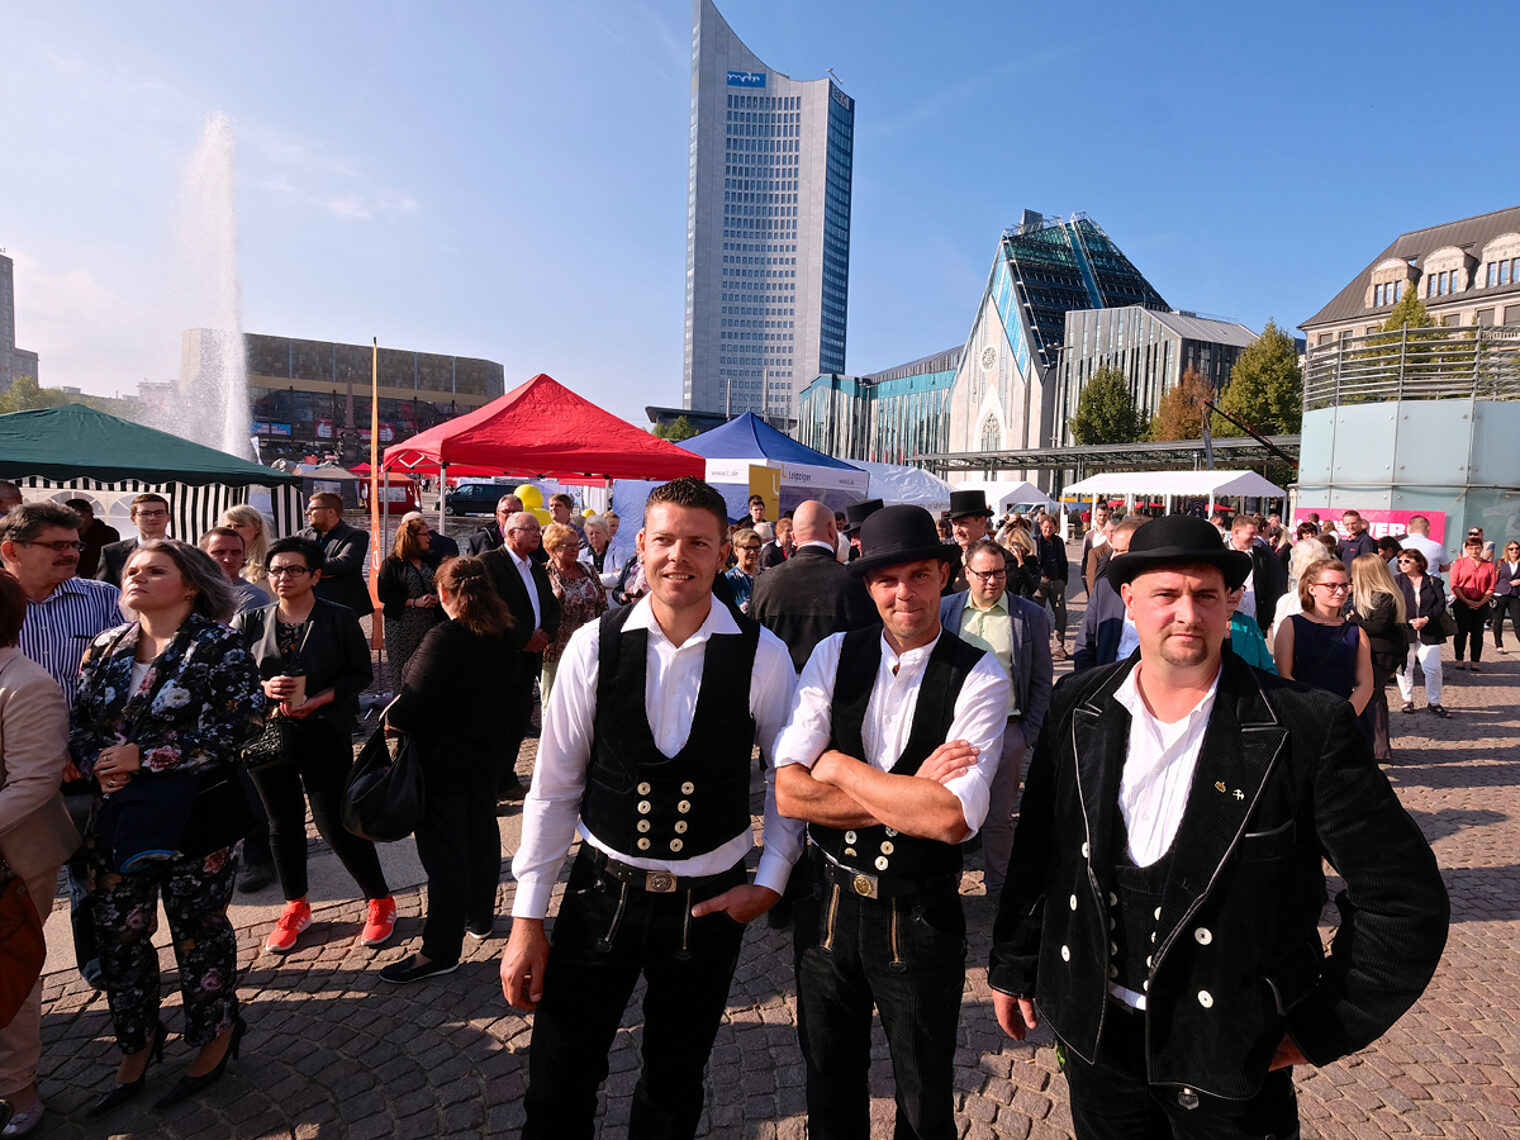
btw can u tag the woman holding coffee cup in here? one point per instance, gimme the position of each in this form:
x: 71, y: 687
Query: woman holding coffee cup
x: 314, y: 662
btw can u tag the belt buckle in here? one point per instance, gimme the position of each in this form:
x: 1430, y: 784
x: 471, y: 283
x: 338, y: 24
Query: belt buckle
x: 865, y: 886
x: 659, y: 882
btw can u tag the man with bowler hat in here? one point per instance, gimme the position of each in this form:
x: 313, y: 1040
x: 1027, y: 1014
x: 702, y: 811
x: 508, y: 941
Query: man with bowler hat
x: 889, y: 756
x: 1163, y: 903
x: 968, y: 515
x: 854, y: 515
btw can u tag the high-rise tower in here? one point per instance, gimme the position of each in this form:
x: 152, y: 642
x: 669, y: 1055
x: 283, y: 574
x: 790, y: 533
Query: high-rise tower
x: 767, y: 227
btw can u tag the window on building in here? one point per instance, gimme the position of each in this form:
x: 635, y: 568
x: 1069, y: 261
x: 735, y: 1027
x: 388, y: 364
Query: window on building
x: 1484, y: 317
x: 1512, y: 315
x: 1452, y: 319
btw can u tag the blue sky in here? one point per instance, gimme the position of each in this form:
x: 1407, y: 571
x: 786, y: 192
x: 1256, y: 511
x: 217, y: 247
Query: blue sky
x: 508, y: 180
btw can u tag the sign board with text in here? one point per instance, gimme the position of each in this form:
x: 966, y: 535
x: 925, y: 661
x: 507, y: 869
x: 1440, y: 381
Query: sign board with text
x: 1379, y: 523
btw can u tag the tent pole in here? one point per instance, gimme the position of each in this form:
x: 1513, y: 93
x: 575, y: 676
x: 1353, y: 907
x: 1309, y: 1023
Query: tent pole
x: 443, y: 482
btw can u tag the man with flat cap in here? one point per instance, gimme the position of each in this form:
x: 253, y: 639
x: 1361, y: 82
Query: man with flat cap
x: 889, y: 756
x: 1163, y: 901
x: 968, y: 515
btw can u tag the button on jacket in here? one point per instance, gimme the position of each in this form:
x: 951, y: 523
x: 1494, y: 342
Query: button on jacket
x: 1283, y: 779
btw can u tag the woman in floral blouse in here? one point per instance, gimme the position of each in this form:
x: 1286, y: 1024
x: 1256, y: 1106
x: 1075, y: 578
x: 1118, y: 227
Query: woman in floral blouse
x: 580, y: 595
x: 163, y: 703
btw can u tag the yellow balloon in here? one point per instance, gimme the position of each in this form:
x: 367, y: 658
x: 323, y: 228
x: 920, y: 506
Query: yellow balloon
x: 541, y: 515
x: 587, y: 513
x: 530, y: 495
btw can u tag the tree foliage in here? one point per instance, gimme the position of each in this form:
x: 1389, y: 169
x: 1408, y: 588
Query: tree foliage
x: 1266, y: 387
x: 676, y: 430
x: 1106, y: 411
x: 1410, y: 312
x: 25, y: 396
x: 1180, y: 413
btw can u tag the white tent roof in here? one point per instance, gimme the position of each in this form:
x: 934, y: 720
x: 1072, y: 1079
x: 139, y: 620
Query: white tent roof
x: 894, y: 483
x: 1004, y: 493
x: 1199, y: 483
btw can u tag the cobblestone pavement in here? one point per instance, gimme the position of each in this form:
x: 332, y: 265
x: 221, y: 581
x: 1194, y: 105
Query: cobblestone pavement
x: 333, y: 1052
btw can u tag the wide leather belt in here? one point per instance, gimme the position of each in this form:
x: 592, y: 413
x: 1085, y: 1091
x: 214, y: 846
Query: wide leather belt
x: 869, y: 886
x: 655, y: 882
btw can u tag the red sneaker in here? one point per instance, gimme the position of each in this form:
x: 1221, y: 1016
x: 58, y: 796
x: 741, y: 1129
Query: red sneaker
x: 381, y: 923
x: 292, y: 921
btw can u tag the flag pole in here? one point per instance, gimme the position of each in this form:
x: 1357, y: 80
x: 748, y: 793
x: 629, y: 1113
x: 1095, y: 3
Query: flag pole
x: 376, y: 537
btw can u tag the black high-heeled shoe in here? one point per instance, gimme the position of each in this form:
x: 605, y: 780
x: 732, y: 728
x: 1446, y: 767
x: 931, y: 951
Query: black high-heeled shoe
x: 120, y: 1094
x: 188, y: 1086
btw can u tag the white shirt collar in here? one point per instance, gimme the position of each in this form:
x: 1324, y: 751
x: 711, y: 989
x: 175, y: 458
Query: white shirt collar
x: 1128, y: 695
x: 819, y: 543
x: 913, y: 658
x: 718, y: 620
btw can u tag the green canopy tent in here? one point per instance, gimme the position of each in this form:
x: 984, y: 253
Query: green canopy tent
x: 76, y: 452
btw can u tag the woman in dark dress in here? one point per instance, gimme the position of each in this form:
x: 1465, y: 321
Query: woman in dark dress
x: 457, y: 676
x: 1377, y: 605
x: 1319, y: 647
x: 405, y: 586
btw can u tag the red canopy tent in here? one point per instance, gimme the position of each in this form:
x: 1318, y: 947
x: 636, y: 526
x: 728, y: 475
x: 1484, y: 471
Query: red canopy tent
x: 542, y: 430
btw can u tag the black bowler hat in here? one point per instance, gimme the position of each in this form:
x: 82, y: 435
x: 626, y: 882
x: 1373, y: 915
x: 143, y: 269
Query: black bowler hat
x: 1178, y: 540
x: 857, y: 513
x: 963, y: 503
x: 894, y: 535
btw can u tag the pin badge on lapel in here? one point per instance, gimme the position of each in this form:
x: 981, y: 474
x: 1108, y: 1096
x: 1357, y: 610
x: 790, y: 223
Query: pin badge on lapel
x: 1219, y: 786
x: 1238, y: 794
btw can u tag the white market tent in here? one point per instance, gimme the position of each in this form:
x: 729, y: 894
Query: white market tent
x: 1212, y: 485
x: 1006, y: 494
x: 894, y: 483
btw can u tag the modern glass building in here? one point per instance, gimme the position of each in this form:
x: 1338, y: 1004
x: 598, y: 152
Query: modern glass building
x: 1153, y: 349
x: 768, y: 227
x: 884, y: 417
x: 1006, y: 392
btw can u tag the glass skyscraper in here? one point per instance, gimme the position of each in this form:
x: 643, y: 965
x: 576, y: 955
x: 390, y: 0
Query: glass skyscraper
x: 767, y: 229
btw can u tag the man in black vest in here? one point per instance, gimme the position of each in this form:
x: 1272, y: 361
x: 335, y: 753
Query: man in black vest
x: 811, y: 594
x: 646, y: 752
x: 889, y: 757
x: 524, y: 585
x: 1163, y: 902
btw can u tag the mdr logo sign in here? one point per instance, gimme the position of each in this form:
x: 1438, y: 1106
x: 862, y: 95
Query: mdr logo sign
x: 746, y: 79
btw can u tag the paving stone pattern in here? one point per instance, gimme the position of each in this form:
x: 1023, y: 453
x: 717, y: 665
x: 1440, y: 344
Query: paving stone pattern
x: 334, y: 1052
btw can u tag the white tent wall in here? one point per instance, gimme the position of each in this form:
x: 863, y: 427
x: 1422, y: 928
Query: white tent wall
x: 193, y: 508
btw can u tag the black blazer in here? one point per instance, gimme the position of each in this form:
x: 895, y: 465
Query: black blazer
x: 509, y: 585
x: 335, y: 655
x: 807, y: 597
x: 113, y: 559
x: 1284, y: 779
x: 1102, y: 628
x: 1430, y: 604
x: 451, y: 678
x: 484, y: 539
x: 441, y: 546
x: 1269, y: 582
x: 345, y: 566
x: 391, y: 583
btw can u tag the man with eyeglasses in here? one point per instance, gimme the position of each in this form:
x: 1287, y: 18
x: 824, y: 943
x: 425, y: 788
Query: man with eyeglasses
x: 524, y: 585
x: 150, y: 515
x: 39, y: 544
x: 345, y: 554
x: 1017, y: 633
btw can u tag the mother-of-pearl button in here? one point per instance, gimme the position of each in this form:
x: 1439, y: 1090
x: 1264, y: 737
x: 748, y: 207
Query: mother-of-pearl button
x: 1066, y: 953
x: 1073, y: 902
x: 675, y: 845
x: 882, y: 862
x: 645, y: 789
x: 887, y: 848
x: 1203, y: 936
x: 1157, y: 912
x: 1205, y: 999
x: 849, y: 837
x: 644, y: 807
x: 680, y: 827
x: 687, y: 788
x: 683, y: 807
x: 1086, y: 850
x: 643, y: 825
x: 643, y: 845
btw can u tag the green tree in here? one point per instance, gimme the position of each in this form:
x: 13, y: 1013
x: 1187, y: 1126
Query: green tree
x: 25, y: 396
x: 1266, y: 387
x: 1106, y: 411
x: 1410, y: 312
x: 676, y: 430
x: 1180, y: 413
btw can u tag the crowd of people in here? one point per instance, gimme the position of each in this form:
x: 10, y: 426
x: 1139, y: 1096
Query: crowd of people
x: 168, y: 725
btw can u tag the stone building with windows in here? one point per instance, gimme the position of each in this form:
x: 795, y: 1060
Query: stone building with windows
x: 1467, y: 273
x: 14, y: 361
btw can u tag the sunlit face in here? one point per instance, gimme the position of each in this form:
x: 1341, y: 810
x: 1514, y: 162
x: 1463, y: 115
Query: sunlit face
x: 248, y: 531
x: 1352, y: 524
x: 613, y: 522
x: 1048, y: 527
x: 748, y: 554
x: 757, y: 512
x: 323, y: 519
x: 1330, y: 591
x: 290, y: 577
x: 523, y: 534
x: 151, y: 582
x: 1181, y: 613
x: 151, y: 519
x: 683, y: 549
x: 986, y: 577
x: 559, y: 512
x: 597, y: 536
x: 907, y: 598
x: 784, y: 531
x: 46, y: 560
x: 1242, y: 535
x: 968, y: 529
x: 226, y: 552
x: 1118, y: 542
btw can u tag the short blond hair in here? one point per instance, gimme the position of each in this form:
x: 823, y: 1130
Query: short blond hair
x: 558, y: 534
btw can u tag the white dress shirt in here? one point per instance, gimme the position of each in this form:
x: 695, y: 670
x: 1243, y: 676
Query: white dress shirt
x: 1158, y: 772
x: 1129, y: 638
x: 980, y: 716
x: 525, y: 572
x: 551, y: 812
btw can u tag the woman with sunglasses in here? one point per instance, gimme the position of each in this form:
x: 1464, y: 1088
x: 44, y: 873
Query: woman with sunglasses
x: 1507, y: 593
x: 1319, y: 646
x: 1424, y: 605
x: 1473, y: 579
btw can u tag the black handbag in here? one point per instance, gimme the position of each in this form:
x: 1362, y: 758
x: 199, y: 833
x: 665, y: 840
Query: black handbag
x: 220, y: 815
x: 272, y: 745
x: 385, y: 797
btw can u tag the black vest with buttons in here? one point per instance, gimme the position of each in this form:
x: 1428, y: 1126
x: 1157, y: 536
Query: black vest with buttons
x: 1135, y: 921
x: 643, y: 803
x: 881, y: 850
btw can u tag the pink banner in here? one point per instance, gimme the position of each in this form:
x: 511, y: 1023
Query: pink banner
x: 1378, y: 523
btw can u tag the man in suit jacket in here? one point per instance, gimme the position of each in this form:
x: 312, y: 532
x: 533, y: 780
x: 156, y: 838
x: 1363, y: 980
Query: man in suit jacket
x: 150, y: 515
x: 780, y: 548
x: 345, y: 554
x: 1266, y: 582
x: 535, y: 613
x: 95, y: 535
x: 1017, y: 633
x: 491, y: 536
x: 812, y: 594
x: 1107, y: 634
x: 1164, y: 899
x: 1096, y: 538
x: 969, y: 515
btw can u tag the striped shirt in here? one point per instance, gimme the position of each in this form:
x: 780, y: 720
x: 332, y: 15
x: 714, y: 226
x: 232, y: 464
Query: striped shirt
x: 58, y: 630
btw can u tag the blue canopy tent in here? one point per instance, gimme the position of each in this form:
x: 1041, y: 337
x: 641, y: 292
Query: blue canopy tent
x: 748, y: 441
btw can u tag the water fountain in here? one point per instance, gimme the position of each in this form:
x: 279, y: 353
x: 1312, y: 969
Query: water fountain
x: 213, y: 407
